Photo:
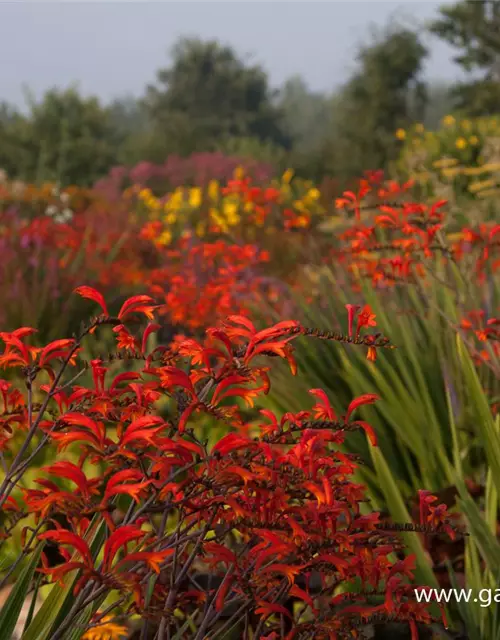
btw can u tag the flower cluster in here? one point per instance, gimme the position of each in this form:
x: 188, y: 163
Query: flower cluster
x: 463, y: 156
x: 239, y: 209
x: 263, y: 533
x: 389, y: 241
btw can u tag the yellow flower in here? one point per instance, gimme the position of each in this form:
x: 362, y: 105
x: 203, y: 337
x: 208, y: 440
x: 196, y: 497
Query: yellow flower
x: 176, y: 198
x: 448, y: 121
x: 287, y: 176
x: 200, y: 229
x: 214, y: 214
x: 164, y: 238
x: 106, y: 631
x: 419, y: 127
x: 229, y: 209
x: 474, y: 140
x: 445, y: 162
x: 313, y: 194
x: 195, y: 197
x: 213, y: 189
x: 451, y: 172
x: 474, y: 171
x: 171, y: 218
x: 461, y: 143
x: 492, y: 166
x: 483, y: 184
x: 400, y: 134
x: 144, y: 194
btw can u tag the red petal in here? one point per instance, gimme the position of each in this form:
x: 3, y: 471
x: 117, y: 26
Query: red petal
x: 367, y: 398
x: 92, y: 294
x: 66, y: 537
x: 136, y: 304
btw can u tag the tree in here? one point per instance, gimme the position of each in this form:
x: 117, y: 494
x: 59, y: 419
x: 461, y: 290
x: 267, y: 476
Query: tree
x: 439, y: 104
x: 208, y: 94
x: 307, y: 119
x: 127, y: 115
x: 14, y: 157
x: 385, y: 93
x: 132, y: 123
x: 473, y: 27
x: 64, y: 138
x: 305, y: 113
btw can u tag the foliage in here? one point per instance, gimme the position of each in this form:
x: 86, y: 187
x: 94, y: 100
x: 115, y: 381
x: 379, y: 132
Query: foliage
x: 48, y: 238
x: 472, y: 27
x: 256, y: 150
x: 375, y: 101
x: 439, y: 103
x: 65, y: 138
x: 151, y: 507
x: 394, y: 264
x: 208, y: 94
x: 274, y: 248
x: 460, y: 161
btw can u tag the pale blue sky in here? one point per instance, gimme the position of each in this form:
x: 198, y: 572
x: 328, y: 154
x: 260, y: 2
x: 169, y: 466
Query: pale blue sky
x: 114, y: 48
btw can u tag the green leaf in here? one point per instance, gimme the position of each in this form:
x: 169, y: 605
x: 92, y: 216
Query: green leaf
x: 481, y: 534
x: 14, y: 603
x: 399, y: 514
x: 34, y: 598
x: 188, y: 624
x: 483, y: 422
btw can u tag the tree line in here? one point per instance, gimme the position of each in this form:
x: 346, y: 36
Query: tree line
x: 209, y: 99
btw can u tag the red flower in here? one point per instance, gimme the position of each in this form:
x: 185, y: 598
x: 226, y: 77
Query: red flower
x: 366, y: 318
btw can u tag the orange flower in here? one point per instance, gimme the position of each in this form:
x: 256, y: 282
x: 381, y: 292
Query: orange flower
x: 106, y: 630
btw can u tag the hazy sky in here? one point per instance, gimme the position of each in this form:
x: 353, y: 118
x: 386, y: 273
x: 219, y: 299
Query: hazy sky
x: 114, y: 48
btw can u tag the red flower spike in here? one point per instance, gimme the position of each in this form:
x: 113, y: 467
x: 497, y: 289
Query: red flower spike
x: 286, y: 489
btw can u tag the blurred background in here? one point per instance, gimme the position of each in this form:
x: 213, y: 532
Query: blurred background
x: 107, y: 84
